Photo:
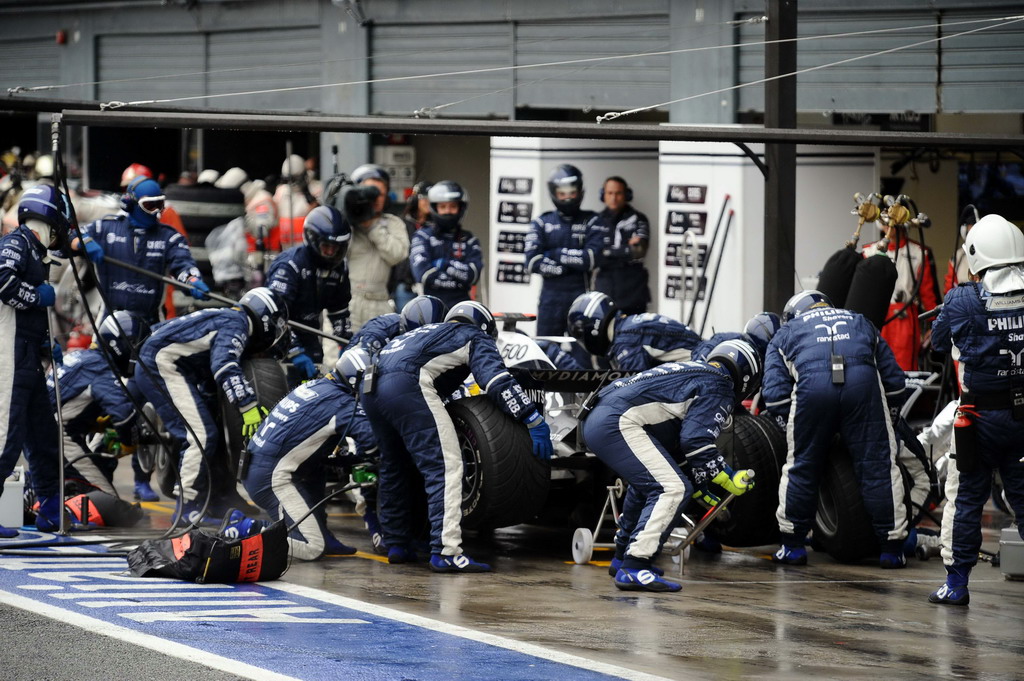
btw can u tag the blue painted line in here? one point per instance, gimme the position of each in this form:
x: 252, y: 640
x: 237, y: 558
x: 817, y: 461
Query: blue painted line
x: 286, y: 629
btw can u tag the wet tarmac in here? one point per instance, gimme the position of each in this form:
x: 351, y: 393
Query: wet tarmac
x: 737, y: 617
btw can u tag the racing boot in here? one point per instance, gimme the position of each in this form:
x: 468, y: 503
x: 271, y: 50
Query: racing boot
x: 459, y: 563
x: 892, y: 557
x: 48, y: 515
x: 144, y: 492
x: 376, y: 536
x: 637, y: 575
x: 616, y: 564
x: 8, y: 532
x: 401, y: 553
x: 237, y: 525
x: 954, y: 591
x: 790, y: 555
x: 334, y: 547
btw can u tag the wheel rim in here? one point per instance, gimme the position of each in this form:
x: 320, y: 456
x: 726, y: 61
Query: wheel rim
x: 472, y: 474
x: 827, y: 515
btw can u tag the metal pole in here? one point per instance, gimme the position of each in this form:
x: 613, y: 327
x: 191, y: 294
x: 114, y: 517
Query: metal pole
x: 62, y: 527
x: 216, y: 296
x: 780, y: 185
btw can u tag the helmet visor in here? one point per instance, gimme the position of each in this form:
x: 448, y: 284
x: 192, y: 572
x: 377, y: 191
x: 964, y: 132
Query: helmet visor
x: 567, y: 193
x: 333, y: 251
x: 154, y: 205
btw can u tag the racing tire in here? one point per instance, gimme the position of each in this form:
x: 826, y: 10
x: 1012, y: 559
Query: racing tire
x: 753, y: 442
x: 503, y: 484
x: 268, y: 380
x: 842, y: 527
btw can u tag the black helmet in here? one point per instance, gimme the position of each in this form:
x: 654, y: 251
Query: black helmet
x: 49, y: 205
x: 121, y: 333
x: 741, y: 359
x: 371, y: 171
x: 269, y: 317
x: 350, y: 366
x: 564, y: 177
x: 588, y: 320
x: 802, y: 302
x: 444, y: 191
x: 472, y: 312
x: 327, y: 233
x: 423, y: 310
x: 761, y: 328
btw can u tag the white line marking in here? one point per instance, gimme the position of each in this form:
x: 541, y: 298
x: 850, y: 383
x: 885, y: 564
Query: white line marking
x: 154, y: 584
x: 179, y: 603
x: 469, y: 634
x: 69, y: 595
x: 41, y: 587
x: 182, y: 652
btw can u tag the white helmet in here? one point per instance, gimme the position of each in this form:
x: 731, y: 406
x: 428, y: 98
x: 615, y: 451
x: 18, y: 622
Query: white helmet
x: 293, y: 167
x: 993, y: 241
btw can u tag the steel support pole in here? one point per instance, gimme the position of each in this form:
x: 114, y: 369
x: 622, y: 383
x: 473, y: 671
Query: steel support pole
x: 780, y: 185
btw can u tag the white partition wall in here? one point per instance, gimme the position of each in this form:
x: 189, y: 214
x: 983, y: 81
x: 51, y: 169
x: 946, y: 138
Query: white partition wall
x: 519, y: 170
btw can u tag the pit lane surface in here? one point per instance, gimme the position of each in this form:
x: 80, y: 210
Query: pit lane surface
x: 537, y: 617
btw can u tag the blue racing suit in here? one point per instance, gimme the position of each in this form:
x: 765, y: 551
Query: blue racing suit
x: 447, y: 265
x: 985, y: 333
x: 376, y: 333
x: 802, y: 391
x: 28, y: 419
x: 286, y: 457
x: 646, y: 428
x: 180, y: 366
x: 309, y: 289
x: 158, y: 249
x: 704, y: 348
x: 621, y: 276
x: 642, y: 341
x: 88, y: 390
x: 563, y: 250
x: 413, y: 428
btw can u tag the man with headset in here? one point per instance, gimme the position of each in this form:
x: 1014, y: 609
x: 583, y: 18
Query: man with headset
x: 622, y: 274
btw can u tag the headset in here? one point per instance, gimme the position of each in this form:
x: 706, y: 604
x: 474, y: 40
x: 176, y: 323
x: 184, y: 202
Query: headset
x: 128, y: 199
x: 970, y: 211
x: 616, y: 178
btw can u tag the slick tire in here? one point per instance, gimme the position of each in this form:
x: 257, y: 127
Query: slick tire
x: 842, y: 527
x: 503, y: 484
x: 267, y: 378
x: 753, y: 442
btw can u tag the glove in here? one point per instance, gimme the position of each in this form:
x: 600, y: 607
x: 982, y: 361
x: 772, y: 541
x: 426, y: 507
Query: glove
x: 305, y: 365
x: 733, y: 482
x: 47, y: 296
x: 93, y: 250
x: 540, y: 433
x: 705, y: 496
x: 56, y: 353
x: 251, y: 419
x: 199, y: 288
x: 439, y: 263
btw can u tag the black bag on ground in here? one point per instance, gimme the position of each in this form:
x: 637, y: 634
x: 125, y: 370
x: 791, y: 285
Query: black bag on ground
x: 103, y: 510
x: 204, y: 557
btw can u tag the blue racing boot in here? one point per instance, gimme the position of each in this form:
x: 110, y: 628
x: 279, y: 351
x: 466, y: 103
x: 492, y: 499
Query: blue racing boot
x: 400, y: 553
x: 8, y: 532
x: 143, y: 491
x: 236, y: 525
x: 954, y: 591
x: 644, y: 579
x: 48, y: 515
x: 613, y: 568
x: 893, y: 561
x: 459, y: 563
x: 376, y: 536
x: 790, y: 555
x: 334, y: 547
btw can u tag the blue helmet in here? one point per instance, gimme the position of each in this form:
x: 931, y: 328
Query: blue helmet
x: 423, y: 310
x: 588, y: 320
x: 741, y: 359
x: 761, y: 328
x: 327, y: 233
x: 121, y: 333
x: 351, y: 365
x: 566, y: 177
x: 45, y: 203
x: 802, y: 302
x: 472, y: 312
x: 269, y: 316
x: 444, y: 191
x: 143, y: 200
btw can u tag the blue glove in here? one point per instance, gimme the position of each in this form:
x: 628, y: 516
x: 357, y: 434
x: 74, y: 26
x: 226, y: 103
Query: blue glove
x: 93, y: 250
x: 305, y: 365
x: 47, y: 296
x: 540, y: 433
x: 199, y: 288
x: 56, y: 353
x: 439, y: 263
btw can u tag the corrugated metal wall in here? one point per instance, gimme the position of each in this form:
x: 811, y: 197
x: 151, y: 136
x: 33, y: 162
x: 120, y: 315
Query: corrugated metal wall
x: 404, y: 50
x: 979, y: 73
x: 127, y: 58
x: 28, y: 62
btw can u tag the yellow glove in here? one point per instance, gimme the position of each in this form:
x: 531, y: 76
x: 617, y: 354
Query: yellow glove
x: 736, y: 483
x: 251, y: 419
